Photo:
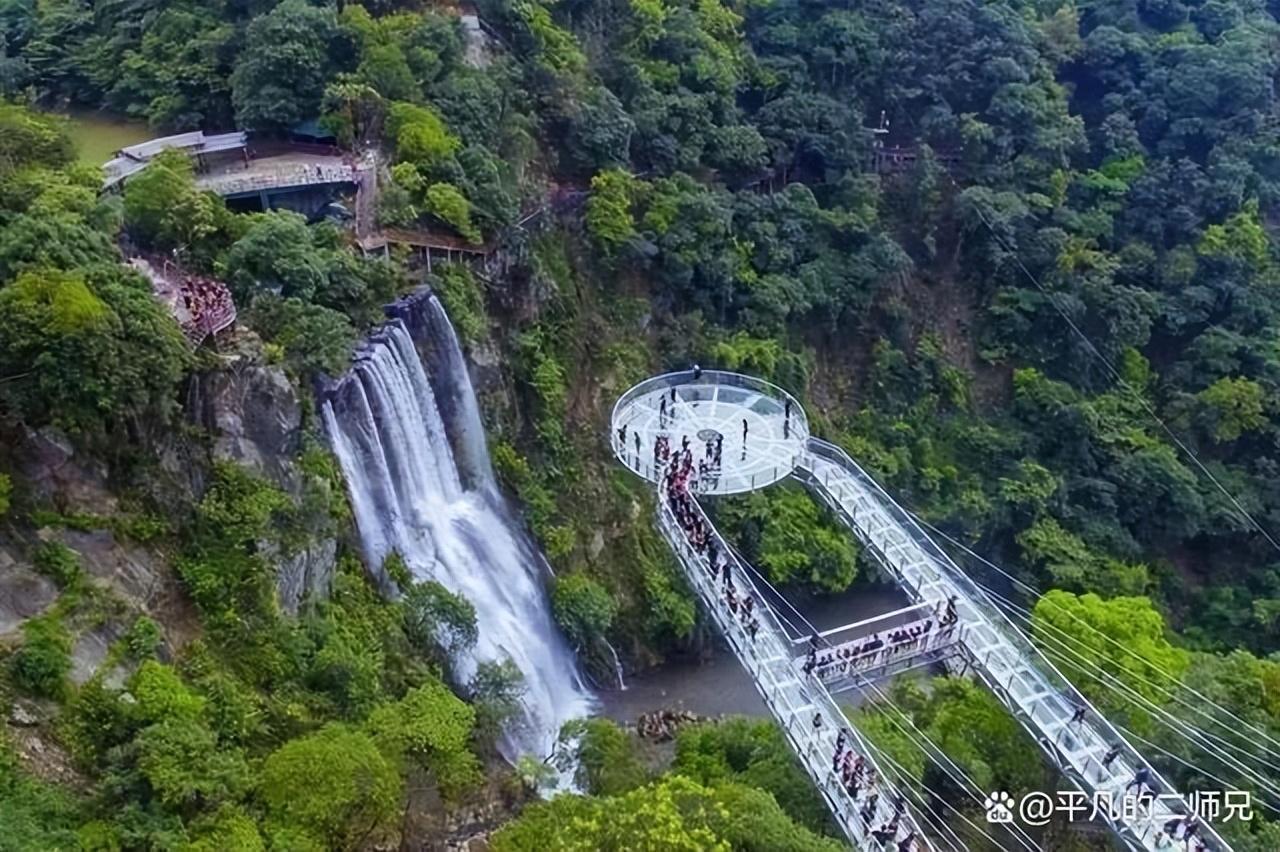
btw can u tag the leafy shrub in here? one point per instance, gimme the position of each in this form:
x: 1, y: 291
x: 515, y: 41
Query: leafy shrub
x: 606, y: 756
x: 228, y: 579
x: 34, y: 815
x: 438, y: 622
x: 333, y: 788
x: 583, y: 608
x: 463, y: 298
x: 313, y: 338
x: 347, y: 666
x: 143, y: 638
x: 57, y: 562
x: 495, y: 692
x: 448, y: 204
x: 41, y: 665
x: 395, y: 567
x: 160, y: 694
x: 432, y: 727
x: 609, y: 219
x: 517, y: 474
x: 752, y: 752
x: 94, y: 721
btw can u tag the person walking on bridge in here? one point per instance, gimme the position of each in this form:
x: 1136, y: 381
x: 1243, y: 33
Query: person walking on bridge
x: 1141, y: 779
x: 868, y: 811
x: 886, y: 832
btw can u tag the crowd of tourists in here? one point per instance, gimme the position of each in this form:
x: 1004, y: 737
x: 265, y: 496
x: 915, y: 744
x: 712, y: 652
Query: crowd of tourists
x: 698, y: 533
x: 208, y: 303
x: 840, y: 659
x: 859, y: 780
x: 878, y: 647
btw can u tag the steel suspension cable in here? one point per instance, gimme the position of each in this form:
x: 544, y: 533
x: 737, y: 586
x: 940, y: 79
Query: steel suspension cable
x: 904, y: 783
x: 1122, y: 382
x: 964, y: 781
x: 1110, y: 640
x: 1072, y: 642
x: 812, y: 631
x: 942, y: 799
x: 1180, y: 727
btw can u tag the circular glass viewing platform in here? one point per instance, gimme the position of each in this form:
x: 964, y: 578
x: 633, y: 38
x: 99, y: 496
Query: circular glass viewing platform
x: 711, y: 409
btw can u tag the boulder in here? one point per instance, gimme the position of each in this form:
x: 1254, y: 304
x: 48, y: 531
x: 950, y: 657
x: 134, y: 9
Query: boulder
x: 90, y: 652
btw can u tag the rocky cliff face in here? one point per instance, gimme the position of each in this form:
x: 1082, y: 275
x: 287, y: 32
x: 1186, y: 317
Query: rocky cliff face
x: 245, y: 411
x: 251, y: 410
x: 254, y: 416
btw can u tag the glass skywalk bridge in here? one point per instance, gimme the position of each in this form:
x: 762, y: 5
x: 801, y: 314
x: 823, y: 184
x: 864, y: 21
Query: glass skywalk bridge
x: 762, y: 435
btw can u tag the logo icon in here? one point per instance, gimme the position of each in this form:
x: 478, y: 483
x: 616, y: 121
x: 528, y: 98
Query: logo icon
x: 999, y: 808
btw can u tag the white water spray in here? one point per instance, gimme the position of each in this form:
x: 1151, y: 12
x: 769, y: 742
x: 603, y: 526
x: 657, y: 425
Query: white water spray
x: 387, y: 423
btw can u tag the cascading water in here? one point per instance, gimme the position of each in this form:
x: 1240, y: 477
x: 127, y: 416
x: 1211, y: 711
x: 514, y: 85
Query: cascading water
x: 412, y: 449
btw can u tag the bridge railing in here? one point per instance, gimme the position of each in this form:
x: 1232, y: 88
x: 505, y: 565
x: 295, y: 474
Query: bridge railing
x: 723, y: 378
x: 1011, y: 665
x: 234, y: 183
x: 792, y: 699
x: 851, y: 656
x: 728, y: 388
x: 977, y: 598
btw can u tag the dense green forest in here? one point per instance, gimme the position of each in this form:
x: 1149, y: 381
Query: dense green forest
x: 1053, y: 333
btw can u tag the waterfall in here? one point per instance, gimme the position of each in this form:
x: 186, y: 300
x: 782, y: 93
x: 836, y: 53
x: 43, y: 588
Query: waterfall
x: 411, y: 447
x: 617, y: 666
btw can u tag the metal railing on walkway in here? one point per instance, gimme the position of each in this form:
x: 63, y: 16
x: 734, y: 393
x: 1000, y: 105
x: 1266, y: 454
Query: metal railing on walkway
x: 1024, y: 680
x: 792, y: 698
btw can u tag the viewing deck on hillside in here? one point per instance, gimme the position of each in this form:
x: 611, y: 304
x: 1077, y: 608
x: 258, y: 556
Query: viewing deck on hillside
x: 715, y: 404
